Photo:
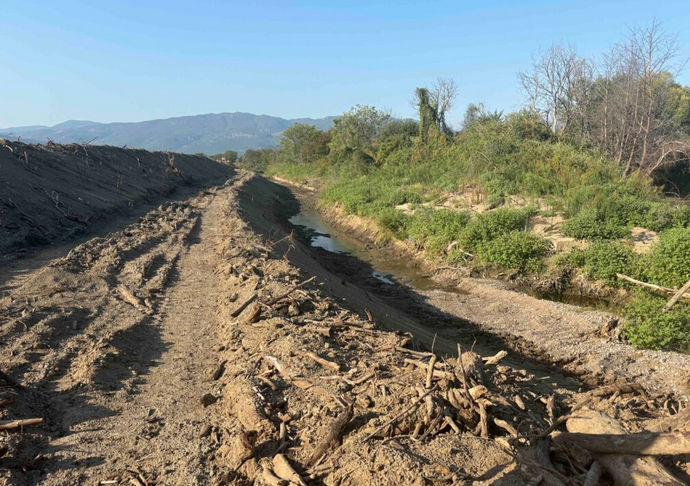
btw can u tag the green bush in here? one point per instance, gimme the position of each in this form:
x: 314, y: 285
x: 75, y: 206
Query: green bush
x: 668, y: 263
x: 604, y: 259
x: 575, y: 258
x: 436, y: 229
x: 589, y: 226
x: 488, y: 226
x: 394, y: 221
x: 517, y: 250
x: 647, y: 326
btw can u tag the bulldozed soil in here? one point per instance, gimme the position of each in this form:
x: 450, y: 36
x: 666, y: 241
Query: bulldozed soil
x: 203, y: 344
x: 52, y: 193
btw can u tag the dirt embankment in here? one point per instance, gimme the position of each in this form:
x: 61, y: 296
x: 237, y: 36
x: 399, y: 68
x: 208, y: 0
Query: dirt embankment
x: 202, y: 345
x: 54, y: 192
x: 582, y: 341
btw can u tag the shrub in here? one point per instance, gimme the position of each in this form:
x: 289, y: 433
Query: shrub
x: 647, y: 326
x: 589, y: 226
x: 668, y: 263
x: 487, y: 226
x: 395, y: 221
x: 603, y: 260
x: 574, y: 258
x: 436, y: 229
x: 516, y: 250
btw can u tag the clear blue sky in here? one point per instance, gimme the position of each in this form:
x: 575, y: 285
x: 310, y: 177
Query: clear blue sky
x: 129, y: 60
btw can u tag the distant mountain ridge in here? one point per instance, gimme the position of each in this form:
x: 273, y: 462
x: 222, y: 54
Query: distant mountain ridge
x: 210, y: 134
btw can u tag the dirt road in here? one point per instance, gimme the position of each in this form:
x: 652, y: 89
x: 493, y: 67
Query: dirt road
x: 194, y: 347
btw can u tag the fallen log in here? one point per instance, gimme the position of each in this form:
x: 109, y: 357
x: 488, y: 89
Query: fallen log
x: 651, y: 286
x: 641, y: 444
x: 624, y: 469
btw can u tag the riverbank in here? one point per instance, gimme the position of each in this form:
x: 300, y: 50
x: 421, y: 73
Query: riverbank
x: 584, y: 342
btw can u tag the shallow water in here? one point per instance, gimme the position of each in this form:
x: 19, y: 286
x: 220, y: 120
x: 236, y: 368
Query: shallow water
x: 387, y: 267
x: 390, y: 268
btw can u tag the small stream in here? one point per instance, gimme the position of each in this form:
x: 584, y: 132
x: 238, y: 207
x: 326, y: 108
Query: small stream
x: 387, y: 268
x: 390, y: 268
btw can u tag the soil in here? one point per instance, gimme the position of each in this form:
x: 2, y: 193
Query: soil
x: 581, y: 341
x: 203, y: 344
x: 52, y: 193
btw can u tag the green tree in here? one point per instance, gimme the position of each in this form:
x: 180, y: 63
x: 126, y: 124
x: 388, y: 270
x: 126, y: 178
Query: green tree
x: 359, y: 132
x: 302, y: 143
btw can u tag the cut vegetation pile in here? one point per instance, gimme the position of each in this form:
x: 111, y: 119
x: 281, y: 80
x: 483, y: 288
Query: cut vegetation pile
x: 53, y: 192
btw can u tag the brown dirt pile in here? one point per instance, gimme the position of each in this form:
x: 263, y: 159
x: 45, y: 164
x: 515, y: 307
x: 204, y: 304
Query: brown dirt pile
x: 54, y: 192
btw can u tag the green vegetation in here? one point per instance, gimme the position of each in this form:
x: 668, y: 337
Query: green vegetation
x: 467, y: 197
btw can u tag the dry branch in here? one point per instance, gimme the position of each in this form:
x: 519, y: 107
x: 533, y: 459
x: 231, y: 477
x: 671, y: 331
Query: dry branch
x: 291, y: 290
x: 651, y: 286
x: 19, y: 424
x: 677, y: 296
x: 333, y: 435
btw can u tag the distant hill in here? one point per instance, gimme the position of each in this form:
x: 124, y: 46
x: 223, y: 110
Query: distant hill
x: 209, y: 134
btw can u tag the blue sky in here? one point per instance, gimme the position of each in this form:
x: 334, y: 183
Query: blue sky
x: 138, y: 60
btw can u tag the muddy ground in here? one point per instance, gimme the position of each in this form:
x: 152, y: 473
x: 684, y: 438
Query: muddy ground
x: 202, y: 344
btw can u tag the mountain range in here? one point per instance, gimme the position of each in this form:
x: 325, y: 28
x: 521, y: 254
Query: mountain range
x: 210, y: 134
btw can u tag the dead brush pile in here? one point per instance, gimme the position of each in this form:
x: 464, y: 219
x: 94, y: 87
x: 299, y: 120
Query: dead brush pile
x: 314, y: 393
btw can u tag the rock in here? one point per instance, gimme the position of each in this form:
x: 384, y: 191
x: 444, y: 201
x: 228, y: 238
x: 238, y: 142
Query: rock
x: 208, y: 399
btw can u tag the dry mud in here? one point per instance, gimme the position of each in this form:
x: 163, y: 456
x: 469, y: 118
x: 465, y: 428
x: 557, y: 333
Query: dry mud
x: 203, y: 345
x: 51, y: 193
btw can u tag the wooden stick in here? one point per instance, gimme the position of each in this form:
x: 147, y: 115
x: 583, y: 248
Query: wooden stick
x: 283, y: 469
x: 292, y: 289
x: 430, y: 372
x: 18, y: 424
x: 241, y: 308
x: 335, y: 431
x: 677, y: 296
x: 437, y: 373
x: 651, y: 286
x: 402, y: 414
x: 322, y: 361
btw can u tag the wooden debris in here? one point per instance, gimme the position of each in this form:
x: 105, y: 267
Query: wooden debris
x: 642, y: 443
x: 283, y: 469
x: 652, y: 286
x: 219, y: 370
x: 291, y: 290
x: 129, y: 297
x: 19, y: 424
x: 244, y: 305
x: 333, y: 434
x: 322, y: 361
x: 494, y: 360
x: 624, y: 469
x: 677, y: 296
x: 402, y: 414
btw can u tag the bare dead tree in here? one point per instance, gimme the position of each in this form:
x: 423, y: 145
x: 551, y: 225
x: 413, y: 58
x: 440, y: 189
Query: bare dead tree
x: 557, y: 86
